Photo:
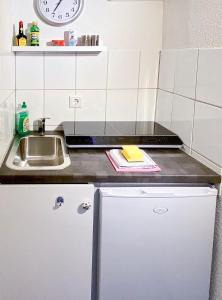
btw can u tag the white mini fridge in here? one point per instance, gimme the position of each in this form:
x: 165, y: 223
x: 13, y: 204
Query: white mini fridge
x: 156, y: 243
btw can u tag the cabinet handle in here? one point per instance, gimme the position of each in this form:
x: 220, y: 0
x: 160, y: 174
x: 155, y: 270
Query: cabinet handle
x: 59, y: 201
x: 86, y: 205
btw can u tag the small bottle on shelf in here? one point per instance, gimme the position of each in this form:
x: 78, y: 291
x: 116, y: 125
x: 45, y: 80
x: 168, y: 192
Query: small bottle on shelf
x: 34, y: 34
x: 21, y: 38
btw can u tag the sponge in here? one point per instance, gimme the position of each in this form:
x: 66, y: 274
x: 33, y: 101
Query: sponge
x: 132, y: 153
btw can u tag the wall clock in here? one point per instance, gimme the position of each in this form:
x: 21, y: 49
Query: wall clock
x: 59, y: 12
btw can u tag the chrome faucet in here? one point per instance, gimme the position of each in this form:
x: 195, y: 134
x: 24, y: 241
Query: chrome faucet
x: 41, y: 128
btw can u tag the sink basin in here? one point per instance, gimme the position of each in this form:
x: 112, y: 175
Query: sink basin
x: 46, y: 152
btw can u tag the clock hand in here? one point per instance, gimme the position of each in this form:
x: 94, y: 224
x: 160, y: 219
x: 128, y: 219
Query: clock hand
x: 57, y: 5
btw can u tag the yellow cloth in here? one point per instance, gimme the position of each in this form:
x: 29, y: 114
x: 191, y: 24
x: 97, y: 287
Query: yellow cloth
x: 132, y: 153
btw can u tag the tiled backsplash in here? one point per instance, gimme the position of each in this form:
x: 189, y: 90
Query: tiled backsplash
x: 7, y: 101
x: 113, y: 85
x: 121, y: 85
x: 189, y: 101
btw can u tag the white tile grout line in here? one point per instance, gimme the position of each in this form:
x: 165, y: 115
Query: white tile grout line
x: 172, y: 106
x: 156, y: 104
x: 44, y: 90
x: 76, y: 71
x: 15, y: 101
x: 174, y: 79
x: 175, y: 69
x: 107, y: 80
x: 138, y: 84
x: 75, y: 87
x: 181, y: 95
x: 194, y: 112
x: 192, y: 99
x: 91, y: 89
x: 157, y: 89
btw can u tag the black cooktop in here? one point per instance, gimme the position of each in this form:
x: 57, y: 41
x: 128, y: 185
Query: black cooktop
x: 116, y: 134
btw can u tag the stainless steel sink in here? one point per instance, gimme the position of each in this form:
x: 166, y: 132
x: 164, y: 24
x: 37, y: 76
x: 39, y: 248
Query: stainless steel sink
x: 46, y: 152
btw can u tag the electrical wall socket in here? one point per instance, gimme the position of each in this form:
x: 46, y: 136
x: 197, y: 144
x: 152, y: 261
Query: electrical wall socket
x: 75, y: 102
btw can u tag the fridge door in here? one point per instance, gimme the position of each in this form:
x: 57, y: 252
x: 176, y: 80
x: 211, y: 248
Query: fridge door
x: 156, y: 243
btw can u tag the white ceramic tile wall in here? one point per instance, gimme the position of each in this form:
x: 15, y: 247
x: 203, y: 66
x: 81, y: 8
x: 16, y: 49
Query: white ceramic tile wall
x: 209, y: 87
x: 207, y: 139
x: 63, y: 75
x: 109, y: 85
x: 196, y: 74
x: 164, y: 108
x: 146, y: 104
x: 57, y: 107
x: 7, y: 101
x: 93, y: 105
x: 7, y: 77
x: 186, y: 73
x: 91, y: 71
x: 123, y: 70
x: 121, y: 105
x: 149, y: 69
x: 167, y: 70
x: 7, y: 71
x: 29, y: 71
x: 182, y: 118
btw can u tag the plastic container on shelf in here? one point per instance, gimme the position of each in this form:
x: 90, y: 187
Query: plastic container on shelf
x: 34, y: 34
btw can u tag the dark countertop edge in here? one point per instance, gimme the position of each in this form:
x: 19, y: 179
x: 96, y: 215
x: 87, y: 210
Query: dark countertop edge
x: 171, y: 179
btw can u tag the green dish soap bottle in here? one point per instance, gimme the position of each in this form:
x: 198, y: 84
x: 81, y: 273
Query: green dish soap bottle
x: 22, y: 120
x: 34, y: 34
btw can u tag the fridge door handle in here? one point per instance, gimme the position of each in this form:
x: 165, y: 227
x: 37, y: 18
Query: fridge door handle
x: 155, y: 193
x: 124, y: 194
x: 140, y: 193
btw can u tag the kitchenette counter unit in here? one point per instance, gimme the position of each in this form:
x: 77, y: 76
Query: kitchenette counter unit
x: 93, y: 166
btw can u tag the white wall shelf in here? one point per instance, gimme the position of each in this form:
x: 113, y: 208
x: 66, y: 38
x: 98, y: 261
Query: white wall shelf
x: 71, y: 49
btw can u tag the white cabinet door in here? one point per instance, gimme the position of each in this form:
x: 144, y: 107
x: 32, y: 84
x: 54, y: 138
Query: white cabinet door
x: 45, y: 250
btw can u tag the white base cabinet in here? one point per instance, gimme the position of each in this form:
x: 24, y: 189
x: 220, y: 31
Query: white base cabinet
x: 45, y: 248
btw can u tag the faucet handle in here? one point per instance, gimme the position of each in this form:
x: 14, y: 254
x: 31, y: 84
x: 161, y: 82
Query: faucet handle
x: 42, y: 125
x: 44, y: 119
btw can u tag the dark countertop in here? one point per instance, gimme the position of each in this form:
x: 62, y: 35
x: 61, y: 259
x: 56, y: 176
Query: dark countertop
x: 93, y: 166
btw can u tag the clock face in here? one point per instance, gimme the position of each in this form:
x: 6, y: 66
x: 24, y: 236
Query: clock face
x: 59, y: 12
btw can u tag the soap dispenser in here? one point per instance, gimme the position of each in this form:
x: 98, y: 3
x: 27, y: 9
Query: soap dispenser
x: 22, y: 119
